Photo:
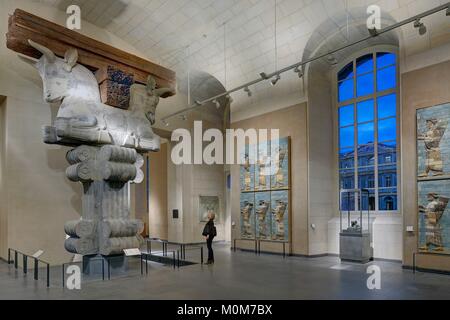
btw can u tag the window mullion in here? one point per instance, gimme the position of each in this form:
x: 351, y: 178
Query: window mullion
x: 355, y: 115
x: 375, y: 147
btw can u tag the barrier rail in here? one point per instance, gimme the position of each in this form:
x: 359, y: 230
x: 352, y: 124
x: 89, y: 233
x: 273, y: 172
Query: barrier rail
x: 191, y: 248
x: 175, y: 263
x: 164, y: 244
x: 25, y: 258
x: 181, y: 253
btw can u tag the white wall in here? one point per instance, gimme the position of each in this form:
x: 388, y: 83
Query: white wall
x: 321, y: 168
x: 185, y: 184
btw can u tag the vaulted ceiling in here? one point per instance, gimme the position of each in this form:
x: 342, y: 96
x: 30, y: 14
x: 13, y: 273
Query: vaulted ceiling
x: 233, y: 40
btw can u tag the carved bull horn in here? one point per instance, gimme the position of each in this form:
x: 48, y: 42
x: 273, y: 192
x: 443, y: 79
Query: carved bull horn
x: 49, y: 55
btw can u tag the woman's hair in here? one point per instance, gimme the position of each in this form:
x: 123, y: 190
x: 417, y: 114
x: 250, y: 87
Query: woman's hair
x: 211, y: 215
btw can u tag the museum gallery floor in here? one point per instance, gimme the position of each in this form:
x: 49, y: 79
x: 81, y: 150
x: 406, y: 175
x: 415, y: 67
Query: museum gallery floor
x: 238, y: 276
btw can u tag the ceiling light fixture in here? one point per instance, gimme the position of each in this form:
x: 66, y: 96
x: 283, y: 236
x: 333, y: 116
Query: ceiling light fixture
x: 299, y: 72
x: 249, y: 92
x: 421, y: 26
x: 229, y: 98
x: 216, y: 103
x: 448, y: 11
x: 373, y: 32
x: 198, y: 103
x: 183, y: 117
x: 165, y: 123
x: 274, y: 81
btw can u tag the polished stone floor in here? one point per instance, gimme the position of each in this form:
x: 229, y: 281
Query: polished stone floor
x: 237, y: 275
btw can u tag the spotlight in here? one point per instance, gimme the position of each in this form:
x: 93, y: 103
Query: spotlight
x: 448, y: 12
x: 183, y: 117
x: 419, y: 25
x: 249, y: 93
x: 274, y: 81
x: 165, y: 123
x: 198, y: 103
x: 230, y: 99
x: 299, y: 72
x: 373, y: 32
x: 217, y: 103
x: 263, y: 75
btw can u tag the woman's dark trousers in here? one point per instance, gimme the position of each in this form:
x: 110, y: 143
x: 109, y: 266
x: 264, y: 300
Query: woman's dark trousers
x: 210, y: 250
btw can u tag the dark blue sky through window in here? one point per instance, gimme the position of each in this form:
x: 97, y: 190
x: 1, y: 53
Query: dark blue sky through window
x: 385, y: 59
x: 346, y: 72
x: 364, y: 64
x: 366, y: 133
x: 345, y: 90
x: 387, y: 79
x: 387, y: 106
x: 366, y: 111
x: 387, y: 129
x: 346, y: 115
x: 364, y: 84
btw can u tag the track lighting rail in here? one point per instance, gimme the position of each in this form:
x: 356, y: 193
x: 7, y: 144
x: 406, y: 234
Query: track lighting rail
x: 296, y: 66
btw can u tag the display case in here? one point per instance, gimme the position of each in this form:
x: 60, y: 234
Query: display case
x: 355, y: 236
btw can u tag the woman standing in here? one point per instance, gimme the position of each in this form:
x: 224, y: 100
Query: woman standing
x: 209, y: 232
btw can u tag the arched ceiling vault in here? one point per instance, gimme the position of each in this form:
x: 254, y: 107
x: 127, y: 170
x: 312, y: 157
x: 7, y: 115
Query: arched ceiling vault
x: 164, y: 29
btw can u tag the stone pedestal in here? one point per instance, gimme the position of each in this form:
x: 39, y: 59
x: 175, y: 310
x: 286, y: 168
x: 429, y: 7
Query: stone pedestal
x: 355, y: 247
x: 93, y: 265
x: 105, y: 227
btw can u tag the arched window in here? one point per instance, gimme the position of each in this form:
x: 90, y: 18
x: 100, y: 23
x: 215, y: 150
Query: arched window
x: 367, y: 90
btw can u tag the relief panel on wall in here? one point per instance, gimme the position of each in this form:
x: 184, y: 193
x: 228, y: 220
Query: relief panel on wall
x: 265, y: 211
x: 247, y: 170
x: 263, y: 167
x: 433, y: 142
x: 434, y: 216
x: 280, y: 215
x: 247, y: 206
x: 208, y: 204
x: 280, y: 164
x: 433, y: 175
x: 263, y: 215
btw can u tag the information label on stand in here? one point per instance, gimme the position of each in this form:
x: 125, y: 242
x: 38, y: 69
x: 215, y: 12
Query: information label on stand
x: 132, y: 252
x: 38, y: 253
x: 77, y: 258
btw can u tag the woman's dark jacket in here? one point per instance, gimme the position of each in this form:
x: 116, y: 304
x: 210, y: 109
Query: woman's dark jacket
x: 209, y: 229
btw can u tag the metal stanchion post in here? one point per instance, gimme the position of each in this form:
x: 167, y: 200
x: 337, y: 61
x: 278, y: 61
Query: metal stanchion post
x: 174, y: 265
x: 24, y: 262
x: 48, y: 275
x: 36, y: 269
x: 103, y: 269
x: 15, y: 259
x: 201, y: 254
x: 63, y: 274
x: 9, y: 255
